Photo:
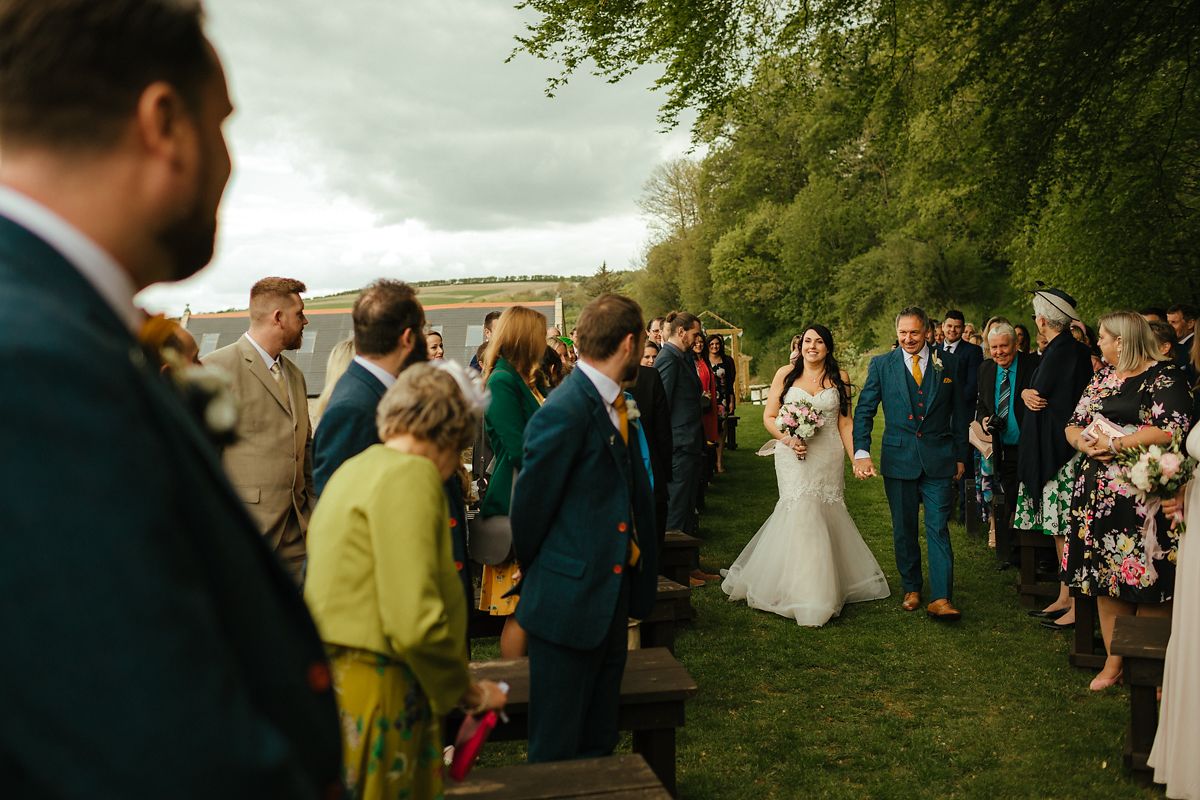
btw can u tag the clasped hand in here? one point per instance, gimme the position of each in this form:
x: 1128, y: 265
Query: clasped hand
x: 864, y: 468
x: 797, y: 444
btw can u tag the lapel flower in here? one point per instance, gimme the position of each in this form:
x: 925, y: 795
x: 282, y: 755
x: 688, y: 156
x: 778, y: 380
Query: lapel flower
x: 937, y: 362
x: 631, y: 408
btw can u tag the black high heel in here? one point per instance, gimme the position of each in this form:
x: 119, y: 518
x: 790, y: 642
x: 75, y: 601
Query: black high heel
x: 1049, y: 614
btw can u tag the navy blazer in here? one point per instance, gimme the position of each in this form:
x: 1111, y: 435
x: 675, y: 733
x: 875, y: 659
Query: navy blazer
x: 682, y: 384
x: 971, y: 358
x: 156, y: 645
x: 578, y: 498
x: 912, y: 445
x: 348, y: 425
x: 985, y: 403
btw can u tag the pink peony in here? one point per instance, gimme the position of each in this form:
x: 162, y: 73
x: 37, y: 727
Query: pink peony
x: 1131, y: 571
x: 1170, y: 464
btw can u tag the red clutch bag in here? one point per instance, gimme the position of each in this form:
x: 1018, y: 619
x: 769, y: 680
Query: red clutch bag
x: 473, y: 732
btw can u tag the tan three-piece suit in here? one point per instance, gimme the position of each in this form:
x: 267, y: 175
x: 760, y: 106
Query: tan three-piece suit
x: 270, y: 465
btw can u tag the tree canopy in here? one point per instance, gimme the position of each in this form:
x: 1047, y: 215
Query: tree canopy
x: 862, y: 155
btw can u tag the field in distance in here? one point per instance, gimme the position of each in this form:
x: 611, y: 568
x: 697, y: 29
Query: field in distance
x: 510, y: 292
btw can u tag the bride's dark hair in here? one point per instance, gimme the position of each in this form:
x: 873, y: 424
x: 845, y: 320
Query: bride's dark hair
x: 833, y: 373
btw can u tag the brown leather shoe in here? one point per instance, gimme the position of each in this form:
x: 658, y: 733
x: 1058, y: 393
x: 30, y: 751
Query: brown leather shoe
x: 707, y: 577
x: 941, y: 609
x: 911, y: 601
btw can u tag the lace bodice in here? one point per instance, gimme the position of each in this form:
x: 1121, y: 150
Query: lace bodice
x: 820, y: 474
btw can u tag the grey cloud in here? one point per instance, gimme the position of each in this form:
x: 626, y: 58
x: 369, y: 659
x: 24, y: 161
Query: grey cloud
x: 409, y: 108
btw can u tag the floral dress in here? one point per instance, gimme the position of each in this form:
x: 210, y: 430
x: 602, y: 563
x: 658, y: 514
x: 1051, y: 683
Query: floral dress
x: 1104, y: 553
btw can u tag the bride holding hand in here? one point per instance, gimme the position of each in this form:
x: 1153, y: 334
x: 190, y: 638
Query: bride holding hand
x: 808, y: 559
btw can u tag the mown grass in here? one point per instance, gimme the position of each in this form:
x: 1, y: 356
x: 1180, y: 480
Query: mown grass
x: 880, y: 703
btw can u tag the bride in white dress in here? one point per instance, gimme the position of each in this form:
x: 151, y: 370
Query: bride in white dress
x: 808, y: 559
x: 1173, y: 757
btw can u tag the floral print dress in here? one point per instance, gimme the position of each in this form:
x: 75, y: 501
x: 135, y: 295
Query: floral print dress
x: 1105, y: 554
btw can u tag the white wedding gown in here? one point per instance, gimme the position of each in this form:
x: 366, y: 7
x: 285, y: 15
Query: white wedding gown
x: 1173, y: 757
x: 808, y: 559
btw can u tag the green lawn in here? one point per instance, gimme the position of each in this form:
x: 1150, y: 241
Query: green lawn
x: 880, y: 703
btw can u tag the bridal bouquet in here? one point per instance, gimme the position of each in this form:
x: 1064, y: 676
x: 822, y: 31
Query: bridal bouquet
x: 799, y: 418
x: 1154, y: 474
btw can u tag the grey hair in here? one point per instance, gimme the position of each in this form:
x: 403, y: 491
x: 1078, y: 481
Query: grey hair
x: 1056, y: 318
x: 914, y: 311
x: 1002, y: 329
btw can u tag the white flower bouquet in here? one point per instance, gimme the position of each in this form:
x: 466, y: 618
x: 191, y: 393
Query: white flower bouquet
x: 1154, y: 474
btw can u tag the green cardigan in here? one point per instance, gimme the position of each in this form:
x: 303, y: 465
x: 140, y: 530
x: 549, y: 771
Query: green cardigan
x: 513, y: 403
x: 381, y: 576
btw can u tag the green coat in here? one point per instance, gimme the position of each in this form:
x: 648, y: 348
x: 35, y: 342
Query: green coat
x: 513, y: 404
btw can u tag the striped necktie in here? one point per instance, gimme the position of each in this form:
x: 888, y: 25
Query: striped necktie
x: 1005, y: 394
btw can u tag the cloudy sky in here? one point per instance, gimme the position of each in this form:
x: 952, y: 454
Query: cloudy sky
x: 390, y: 138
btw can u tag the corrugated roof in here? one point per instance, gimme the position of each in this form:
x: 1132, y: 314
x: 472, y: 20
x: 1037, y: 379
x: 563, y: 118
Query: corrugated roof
x: 461, y: 326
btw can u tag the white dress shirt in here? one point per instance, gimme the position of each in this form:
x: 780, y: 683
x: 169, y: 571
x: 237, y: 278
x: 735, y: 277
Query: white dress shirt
x: 949, y: 347
x: 268, y: 362
x: 110, y: 280
x: 385, y: 377
x: 606, y: 387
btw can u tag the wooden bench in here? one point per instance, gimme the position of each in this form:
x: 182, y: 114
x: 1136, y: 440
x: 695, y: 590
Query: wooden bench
x: 654, y: 689
x: 1142, y: 643
x: 672, y: 605
x: 1036, y: 586
x: 680, y: 555
x: 1087, y: 646
x: 619, y: 777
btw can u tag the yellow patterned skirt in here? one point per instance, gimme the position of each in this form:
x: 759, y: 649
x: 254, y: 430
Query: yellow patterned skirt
x: 391, y: 742
x: 495, y: 582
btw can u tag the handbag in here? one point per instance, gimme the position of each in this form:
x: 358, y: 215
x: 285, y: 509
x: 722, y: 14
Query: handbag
x: 489, y: 539
x: 980, y: 439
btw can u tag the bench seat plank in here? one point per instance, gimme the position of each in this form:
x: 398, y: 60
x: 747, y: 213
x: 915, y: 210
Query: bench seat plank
x: 617, y: 777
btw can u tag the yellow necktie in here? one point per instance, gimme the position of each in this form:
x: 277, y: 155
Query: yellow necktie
x: 277, y: 374
x: 917, y: 368
x: 635, y: 552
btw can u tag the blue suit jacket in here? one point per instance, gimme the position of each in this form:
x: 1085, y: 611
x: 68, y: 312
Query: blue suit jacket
x: 678, y: 372
x: 348, y: 425
x: 970, y: 356
x: 577, y: 497
x: 911, y: 445
x: 156, y: 645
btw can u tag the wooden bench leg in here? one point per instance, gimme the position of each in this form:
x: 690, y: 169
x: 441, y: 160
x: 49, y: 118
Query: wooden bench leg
x: 1143, y: 716
x: 658, y: 748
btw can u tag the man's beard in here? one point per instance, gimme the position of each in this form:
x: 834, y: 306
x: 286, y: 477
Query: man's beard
x: 190, y: 242
x: 419, y: 354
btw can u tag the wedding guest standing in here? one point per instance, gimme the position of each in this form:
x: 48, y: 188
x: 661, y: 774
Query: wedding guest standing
x: 1022, y: 338
x: 655, y: 331
x: 1001, y: 381
x: 583, y: 522
x: 435, y: 346
x: 725, y: 376
x: 655, y: 421
x: 1045, y: 460
x: 682, y: 384
x: 154, y: 646
x: 509, y: 366
x: 1173, y: 757
x: 385, y: 593
x: 270, y: 464
x: 335, y: 366
x: 489, y: 321
x: 1107, y: 555
x: 708, y: 412
x: 970, y: 356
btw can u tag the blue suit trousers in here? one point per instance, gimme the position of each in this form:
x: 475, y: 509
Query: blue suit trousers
x: 904, y: 498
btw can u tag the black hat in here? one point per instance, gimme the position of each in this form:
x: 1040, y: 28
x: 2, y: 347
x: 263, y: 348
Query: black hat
x: 1051, y: 294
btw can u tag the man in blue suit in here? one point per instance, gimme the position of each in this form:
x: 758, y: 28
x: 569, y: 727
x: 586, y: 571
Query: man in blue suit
x: 970, y: 356
x: 156, y: 647
x: 584, y: 532
x: 924, y: 448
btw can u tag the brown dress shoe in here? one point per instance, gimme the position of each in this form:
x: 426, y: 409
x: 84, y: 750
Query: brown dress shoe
x: 911, y: 601
x: 707, y: 577
x: 941, y: 609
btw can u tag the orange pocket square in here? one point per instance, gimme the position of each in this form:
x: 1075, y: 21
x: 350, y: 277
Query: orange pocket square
x: 947, y: 380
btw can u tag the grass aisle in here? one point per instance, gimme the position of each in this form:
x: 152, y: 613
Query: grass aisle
x: 880, y: 702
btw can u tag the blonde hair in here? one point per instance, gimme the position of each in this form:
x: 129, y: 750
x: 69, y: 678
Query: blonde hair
x: 519, y: 338
x: 426, y: 403
x: 339, y: 361
x: 1137, y: 340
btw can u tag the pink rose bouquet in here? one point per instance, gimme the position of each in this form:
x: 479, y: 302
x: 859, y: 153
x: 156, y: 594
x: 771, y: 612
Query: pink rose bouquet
x: 1153, y: 474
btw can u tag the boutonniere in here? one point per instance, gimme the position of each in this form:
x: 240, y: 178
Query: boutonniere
x: 631, y: 409
x: 937, y: 362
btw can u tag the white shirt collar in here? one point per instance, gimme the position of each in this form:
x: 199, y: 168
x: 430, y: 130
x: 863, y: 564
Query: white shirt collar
x: 606, y: 387
x: 110, y: 280
x: 951, y: 346
x: 385, y: 377
x: 1187, y: 338
x: 268, y: 362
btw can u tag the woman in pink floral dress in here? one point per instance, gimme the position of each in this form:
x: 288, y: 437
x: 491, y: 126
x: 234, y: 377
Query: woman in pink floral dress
x: 1106, y: 555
